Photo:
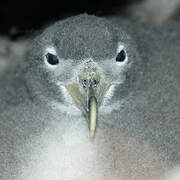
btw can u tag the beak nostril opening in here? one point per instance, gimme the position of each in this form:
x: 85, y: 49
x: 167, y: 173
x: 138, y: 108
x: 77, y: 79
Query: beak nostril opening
x: 84, y: 83
x: 95, y: 82
x: 89, y: 80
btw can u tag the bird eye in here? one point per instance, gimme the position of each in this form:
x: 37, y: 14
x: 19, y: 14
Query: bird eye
x: 121, y: 56
x: 52, y: 59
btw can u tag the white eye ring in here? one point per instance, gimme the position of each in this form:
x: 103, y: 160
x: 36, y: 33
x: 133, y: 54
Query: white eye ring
x: 50, y: 49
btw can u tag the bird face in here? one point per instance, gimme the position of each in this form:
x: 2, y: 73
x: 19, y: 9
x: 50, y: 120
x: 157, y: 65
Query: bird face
x: 83, y: 61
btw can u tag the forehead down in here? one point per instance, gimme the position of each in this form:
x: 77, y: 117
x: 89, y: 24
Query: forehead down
x: 84, y: 36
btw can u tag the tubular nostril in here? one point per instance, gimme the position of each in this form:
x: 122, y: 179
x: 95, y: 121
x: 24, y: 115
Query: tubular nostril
x: 95, y: 82
x: 89, y: 79
x: 84, y: 83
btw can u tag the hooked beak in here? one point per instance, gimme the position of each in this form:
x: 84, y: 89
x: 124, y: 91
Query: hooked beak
x: 88, y: 97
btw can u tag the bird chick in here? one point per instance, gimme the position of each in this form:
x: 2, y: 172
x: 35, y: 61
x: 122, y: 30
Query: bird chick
x: 94, y: 98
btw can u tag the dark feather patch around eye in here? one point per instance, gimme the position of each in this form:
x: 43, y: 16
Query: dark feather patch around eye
x: 121, y: 56
x: 52, y: 59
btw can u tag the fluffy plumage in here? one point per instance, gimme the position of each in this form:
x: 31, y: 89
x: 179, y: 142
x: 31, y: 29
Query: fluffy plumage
x: 44, y: 133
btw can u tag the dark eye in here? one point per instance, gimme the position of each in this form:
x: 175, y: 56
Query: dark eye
x: 52, y: 59
x: 121, y: 56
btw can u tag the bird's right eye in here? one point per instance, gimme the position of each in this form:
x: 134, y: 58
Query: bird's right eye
x: 121, y: 56
x: 52, y: 59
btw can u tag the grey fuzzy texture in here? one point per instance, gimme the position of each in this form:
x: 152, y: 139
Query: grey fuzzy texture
x: 11, y: 53
x: 44, y: 136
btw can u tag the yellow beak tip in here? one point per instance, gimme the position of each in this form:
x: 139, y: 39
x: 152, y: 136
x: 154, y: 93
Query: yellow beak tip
x: 92, y: 132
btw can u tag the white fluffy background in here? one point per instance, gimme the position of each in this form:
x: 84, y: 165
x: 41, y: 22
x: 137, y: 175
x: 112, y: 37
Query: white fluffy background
x: 173, y: 174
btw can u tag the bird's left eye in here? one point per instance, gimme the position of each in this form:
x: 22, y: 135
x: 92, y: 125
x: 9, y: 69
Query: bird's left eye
x: 121, y: 56
x: 52, y: 59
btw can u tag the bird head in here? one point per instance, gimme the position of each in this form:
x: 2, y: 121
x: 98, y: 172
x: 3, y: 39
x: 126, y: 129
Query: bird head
x: 85, y: 62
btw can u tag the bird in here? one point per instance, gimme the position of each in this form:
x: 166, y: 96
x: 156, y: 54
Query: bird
x: 93, y: 98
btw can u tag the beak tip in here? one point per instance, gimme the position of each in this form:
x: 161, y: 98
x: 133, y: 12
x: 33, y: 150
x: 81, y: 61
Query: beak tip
x: 91, y: 133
